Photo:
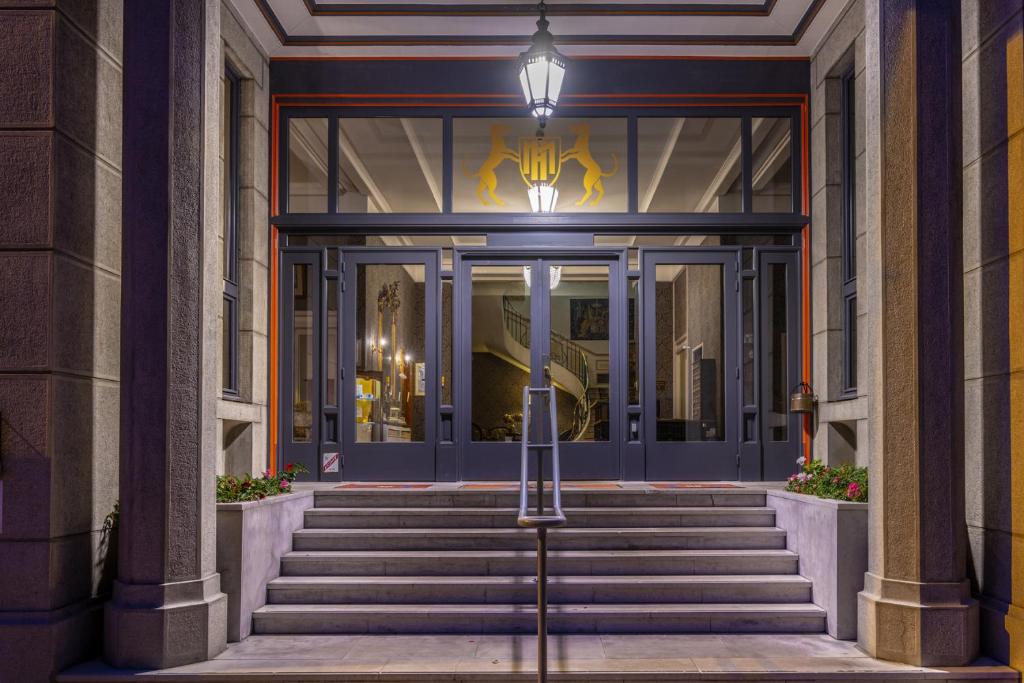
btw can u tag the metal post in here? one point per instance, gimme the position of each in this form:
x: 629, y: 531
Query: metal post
x: 542, y: 605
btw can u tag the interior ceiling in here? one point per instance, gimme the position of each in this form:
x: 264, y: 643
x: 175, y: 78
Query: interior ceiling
x: 496, y: 28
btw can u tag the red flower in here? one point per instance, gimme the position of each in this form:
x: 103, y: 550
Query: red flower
x: 290, y: 467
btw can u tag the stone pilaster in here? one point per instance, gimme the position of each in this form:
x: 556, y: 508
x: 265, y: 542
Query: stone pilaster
x: 60, y: 240
x: 167, y: 608
x: 916, y: 606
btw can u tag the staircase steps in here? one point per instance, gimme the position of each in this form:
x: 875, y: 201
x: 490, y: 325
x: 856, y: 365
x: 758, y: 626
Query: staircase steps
x: 311, y: 590
x: 524, y: 563
x: 522, y: 619
x: 454, y: 562
x: 429, y: 517
x: 515, y: 538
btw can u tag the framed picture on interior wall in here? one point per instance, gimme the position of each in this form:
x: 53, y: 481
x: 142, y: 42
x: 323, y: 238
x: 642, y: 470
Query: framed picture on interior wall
x: 421, y: 379
x: 588, y: 319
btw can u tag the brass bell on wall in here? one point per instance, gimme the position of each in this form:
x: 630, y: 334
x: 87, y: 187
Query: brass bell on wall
x: 803, y: 399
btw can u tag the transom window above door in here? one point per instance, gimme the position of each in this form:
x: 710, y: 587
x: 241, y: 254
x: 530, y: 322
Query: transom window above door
x: 728, y: 161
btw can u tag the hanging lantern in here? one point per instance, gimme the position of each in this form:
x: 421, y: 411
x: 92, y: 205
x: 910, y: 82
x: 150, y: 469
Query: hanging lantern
x: 541, y: 70
x: 543, y: 197
x: 803, y: 399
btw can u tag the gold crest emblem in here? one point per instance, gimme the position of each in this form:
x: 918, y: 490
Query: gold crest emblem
x: 540, y: 160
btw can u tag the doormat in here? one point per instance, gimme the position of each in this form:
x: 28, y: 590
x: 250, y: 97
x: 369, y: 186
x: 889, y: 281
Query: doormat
x: 501, y: 486
x: 356, y: 485
x: 492, y: 486
x: 692, y: 485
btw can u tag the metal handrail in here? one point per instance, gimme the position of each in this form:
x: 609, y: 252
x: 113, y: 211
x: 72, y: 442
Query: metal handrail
x: 540, y: 520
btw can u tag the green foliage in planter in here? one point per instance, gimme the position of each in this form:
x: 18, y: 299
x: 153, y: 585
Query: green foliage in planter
x: 845, y: 482
x: 232, y: 489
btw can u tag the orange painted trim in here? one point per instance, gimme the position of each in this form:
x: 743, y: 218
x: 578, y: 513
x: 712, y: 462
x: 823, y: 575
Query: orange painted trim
x: 274, y: 406
x: 805, y: 258
x: 587, y: 105
x: 495, y: 58
x: 800, y: 99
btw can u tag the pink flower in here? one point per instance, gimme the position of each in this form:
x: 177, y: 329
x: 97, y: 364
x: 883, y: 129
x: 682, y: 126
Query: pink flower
x: 284, y: 483
x: 852, y: 491
x: 266, y: 474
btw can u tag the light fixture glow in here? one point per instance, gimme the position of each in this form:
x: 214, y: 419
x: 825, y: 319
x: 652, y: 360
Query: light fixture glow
x: 543, y: 197
x: 554, y: 276
x: 542, y: 70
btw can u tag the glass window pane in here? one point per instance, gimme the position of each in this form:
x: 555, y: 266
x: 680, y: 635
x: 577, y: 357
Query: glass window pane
x: 389, y: 165
x: 851, y: 343
x: 501, y: 351
x: 772, y: 164
x: 497, y: 159
x: 331, y: 352
x: 391, y: 370
x: 302, y: 355
x: 227, y: 117
x: 307, y: 165
x: 776, y: 417
x: 446, y: 341
x: 689, y: 165
x: 634, y: 341
x: 748, y: 341
x: 689, y: 348
x: 227, y: 355
x: 580, y: 367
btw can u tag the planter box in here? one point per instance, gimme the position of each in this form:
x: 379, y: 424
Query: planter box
x: 831, y: 537
x: 251, y: 538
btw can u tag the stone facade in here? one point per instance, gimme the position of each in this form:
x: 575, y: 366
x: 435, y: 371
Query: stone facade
x: 993, y: 265
x: 60, y: 284
x: 243, y: 419
x: 841, y: 434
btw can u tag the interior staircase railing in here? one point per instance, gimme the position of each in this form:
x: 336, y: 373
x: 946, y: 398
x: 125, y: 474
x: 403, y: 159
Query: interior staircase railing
x: 565, y: 353
x: 536, y: 439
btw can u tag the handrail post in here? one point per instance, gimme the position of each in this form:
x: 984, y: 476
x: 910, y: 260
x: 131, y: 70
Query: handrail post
x: 541, y: 521
x: 542, y: 604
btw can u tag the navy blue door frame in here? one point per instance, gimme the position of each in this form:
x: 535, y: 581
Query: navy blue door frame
x: 297, y: 445
x: 748, y: 449
x: 500, y: 461
x: 716, y: 459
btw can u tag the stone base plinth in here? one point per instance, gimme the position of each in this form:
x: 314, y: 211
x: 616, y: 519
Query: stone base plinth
x: 165, y: 625
x: 923, y: 624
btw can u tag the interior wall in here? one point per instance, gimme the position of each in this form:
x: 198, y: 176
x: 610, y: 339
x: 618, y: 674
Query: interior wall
x: 993, y: 261
x: 60, y: 293
x: 243, y: 419
x: 841, y: 434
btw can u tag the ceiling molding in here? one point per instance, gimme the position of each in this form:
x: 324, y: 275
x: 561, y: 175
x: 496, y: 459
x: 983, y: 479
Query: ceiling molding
x: 730, y: 40
x: 508, y: 9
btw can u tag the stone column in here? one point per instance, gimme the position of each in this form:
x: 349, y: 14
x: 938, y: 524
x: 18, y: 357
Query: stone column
x: 916, y: 606
x: 60, y: 284
x: 167, y: 608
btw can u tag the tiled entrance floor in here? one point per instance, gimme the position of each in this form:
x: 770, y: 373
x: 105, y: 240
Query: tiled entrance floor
x: 572, y: 658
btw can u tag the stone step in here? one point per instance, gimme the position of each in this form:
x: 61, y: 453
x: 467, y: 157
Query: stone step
x: 523, y: 563
x: 426, y: 518
x: 509, y: 498
x: 639, y: 538
x: 522, y: 619
x: 790, y: 588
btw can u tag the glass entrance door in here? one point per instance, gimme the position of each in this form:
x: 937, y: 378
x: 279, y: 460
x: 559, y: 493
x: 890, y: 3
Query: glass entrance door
x: 690, y: 363
x: 300, y: 359
x: 389, y: 406
x: 540, y: 322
